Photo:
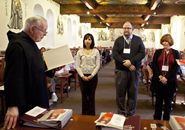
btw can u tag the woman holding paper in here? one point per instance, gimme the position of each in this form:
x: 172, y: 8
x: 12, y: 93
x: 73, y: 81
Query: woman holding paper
x: 165, y: 70
x: 87, y: 66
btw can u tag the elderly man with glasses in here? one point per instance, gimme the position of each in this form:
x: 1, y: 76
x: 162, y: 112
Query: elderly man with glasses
x: 25, y: 77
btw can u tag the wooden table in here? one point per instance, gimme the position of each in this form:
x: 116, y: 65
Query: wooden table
x: 145, y: 123
x: 83, y: 122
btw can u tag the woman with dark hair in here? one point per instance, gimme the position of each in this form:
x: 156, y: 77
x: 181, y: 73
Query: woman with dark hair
x: 42, y: 50
x: 165, y: 69
x: 87, y: 66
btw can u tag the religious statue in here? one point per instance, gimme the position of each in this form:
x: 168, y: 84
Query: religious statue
x: 16, y: 15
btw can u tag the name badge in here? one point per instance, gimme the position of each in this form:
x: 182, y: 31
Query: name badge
x: 126, y: 51
x: 165, y: 68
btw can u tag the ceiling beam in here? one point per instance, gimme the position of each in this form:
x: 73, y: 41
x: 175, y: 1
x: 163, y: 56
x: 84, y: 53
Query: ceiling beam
x: 98, y: 25
x: 152, y: 26
x: 159, y: 20
x: 122, y: 9
x: 86, y: 19
x: 105, y: 9
x: 134, y: 20
x: 136, y: 26
x: 120, y: 25
x: 170, y: 10
x: 123, y: 19
x: 73, y: 9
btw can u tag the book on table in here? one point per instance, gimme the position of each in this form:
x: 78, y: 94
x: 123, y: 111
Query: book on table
x: 130, y: 123
x: 58, y: 57
x: 46, y: 118
x: 177, y: 122
x: 110, y: 120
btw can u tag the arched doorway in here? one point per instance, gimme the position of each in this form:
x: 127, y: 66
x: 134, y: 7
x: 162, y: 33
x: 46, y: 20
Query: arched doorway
x: 38, y: 10
x: 50, y: 35
x: 69, y: 31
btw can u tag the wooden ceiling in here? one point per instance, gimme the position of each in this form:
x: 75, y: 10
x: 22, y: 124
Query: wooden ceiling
x: 149, y: 14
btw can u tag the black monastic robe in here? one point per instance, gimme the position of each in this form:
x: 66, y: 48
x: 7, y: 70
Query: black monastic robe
x: 25, y: 77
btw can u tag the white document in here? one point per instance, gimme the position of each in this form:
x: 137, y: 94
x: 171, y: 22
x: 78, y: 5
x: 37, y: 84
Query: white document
x: 35, y: 111
x: 58, y: 57
x: 2, y: 88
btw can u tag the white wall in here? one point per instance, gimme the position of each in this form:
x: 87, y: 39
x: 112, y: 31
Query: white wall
x: 51, y: 10
x: 178, y: 31
x: 27, y: 11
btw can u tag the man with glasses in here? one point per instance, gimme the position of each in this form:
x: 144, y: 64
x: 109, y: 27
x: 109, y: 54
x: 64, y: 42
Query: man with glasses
x: 128, y: 51
x: 25, y: 77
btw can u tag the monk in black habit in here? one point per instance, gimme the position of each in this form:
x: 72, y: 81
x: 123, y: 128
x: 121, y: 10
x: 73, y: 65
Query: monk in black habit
x: 25, y: 77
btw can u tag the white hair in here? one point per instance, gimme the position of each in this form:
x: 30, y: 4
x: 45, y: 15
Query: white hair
x: 35, y: 20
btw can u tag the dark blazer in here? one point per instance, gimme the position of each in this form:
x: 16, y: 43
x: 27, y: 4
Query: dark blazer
x: 171, y: 76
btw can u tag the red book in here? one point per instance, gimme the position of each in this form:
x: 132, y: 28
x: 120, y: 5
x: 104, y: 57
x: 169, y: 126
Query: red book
x: 132, y: 123
x: 180, y: 62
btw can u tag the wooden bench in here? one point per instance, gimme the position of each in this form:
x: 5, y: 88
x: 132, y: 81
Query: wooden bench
x: 64, y: 81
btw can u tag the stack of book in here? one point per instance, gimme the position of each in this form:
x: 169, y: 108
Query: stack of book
x: 110, y: 121
x: 46, y: 118
x: 177, y: 122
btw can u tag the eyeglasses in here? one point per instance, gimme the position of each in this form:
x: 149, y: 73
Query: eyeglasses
x: 127, y: 28
x: 44, y: 32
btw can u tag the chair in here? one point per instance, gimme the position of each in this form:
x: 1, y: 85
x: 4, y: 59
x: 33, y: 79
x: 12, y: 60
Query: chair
x: 75, y: 77
x: 147, y: 79
x: 182, y: 82
x: 141, y: 76
x: 64, y: 81
x: 48, y: 84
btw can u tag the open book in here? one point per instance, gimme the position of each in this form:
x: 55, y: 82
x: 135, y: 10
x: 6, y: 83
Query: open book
x: 46, y: 118
x: 110, y: 120
x: 177, y: 122
x: 58, y: 57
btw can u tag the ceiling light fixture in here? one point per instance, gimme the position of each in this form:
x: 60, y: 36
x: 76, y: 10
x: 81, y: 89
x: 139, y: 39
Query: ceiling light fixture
x: 180, y: 2
x: 147, y: 17
x: 155, y: 13
x: 142, y: 25
x: 155, y: 4
x: 88, y: 12
x: 87, y: 4
x: 108, y: 24
x: 100, y: 17
x: 147, y: 23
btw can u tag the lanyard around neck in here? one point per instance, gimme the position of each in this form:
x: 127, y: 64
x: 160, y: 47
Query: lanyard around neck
x: 128, y: 43
x: 168, y: 55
